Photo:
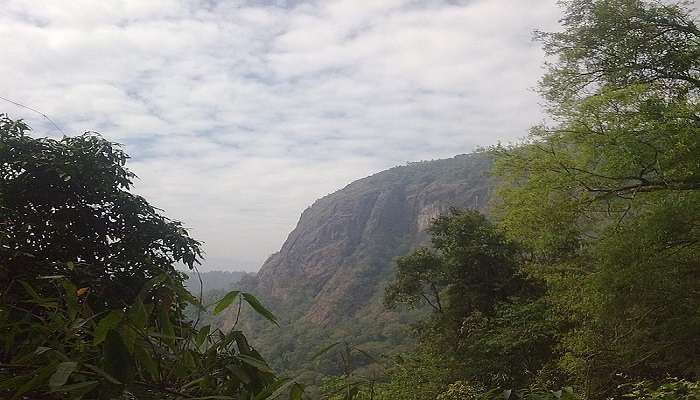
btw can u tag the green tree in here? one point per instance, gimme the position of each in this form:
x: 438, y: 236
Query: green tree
x: 487, y: 317
x: 91, y: 305
x: 469, y: 268
x: 606, y: 197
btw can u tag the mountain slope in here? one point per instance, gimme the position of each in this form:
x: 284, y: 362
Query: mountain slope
x: 328, y: 278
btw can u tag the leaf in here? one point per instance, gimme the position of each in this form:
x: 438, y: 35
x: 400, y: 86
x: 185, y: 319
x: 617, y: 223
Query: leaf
x: 324, y: 350
x: 50, y: 277
x: 226, y: 301
x: 30, y: 290
x: 192, y: 383
x: 202, y: 335
x: 259, y: 308
x: 63, y: 372
x: 166, y: 325
x: 138, y: 315
x: 276, y: 390
x: 75, y: 386
x: 41, y: 350
x: 255, y: 363
x: 102, y: 373
x: 352, y: 393
x: 297, y: 392
x: 71, y: 299
x: 106, y: 324
x: 144, y: 358
x: 38, y: 378
x: 116, y: 358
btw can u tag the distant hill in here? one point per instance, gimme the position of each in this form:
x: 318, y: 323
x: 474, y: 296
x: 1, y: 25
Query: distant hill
x: 326, y: 283
x: 213, y: 280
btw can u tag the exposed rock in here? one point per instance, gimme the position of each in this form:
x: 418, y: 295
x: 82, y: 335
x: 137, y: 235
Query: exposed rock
x: 340, y: 255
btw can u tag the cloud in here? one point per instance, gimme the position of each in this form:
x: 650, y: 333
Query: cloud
x: 239, y: 114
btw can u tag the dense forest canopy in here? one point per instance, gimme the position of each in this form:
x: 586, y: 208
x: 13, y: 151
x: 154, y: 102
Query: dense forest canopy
x: 583, y: 282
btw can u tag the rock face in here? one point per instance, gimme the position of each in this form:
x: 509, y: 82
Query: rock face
x: 336, y: 262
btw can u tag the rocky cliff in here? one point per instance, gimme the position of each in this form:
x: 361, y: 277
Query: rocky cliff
x: 334, y: 265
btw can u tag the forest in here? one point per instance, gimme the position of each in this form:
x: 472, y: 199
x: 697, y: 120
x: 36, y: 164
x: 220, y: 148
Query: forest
x: 581, y: 281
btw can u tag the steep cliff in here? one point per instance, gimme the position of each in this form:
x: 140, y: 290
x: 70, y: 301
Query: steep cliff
x: 330, y: 273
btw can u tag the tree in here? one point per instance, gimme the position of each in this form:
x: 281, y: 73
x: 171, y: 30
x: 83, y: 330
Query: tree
x: 606, y: 197
x: 469, y: 268
x: 91, y: 304
x: 487, y: 318
x: 67, y: 210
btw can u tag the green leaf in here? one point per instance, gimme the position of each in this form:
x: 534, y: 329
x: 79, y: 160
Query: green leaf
x: 30, y: 290
x: 324, y: 350
x: 103, y: 374
x: 276, y: 390
x: 41, y: 350
x: 226, y: 301
x: 297, y: 392
x: 144, y: 358
x: 75, y: 386
x: 106, y: 324
x: 138, y: 315
x: 255, y: 363
x: 71, y: 299
x: 116, y: 358
x: 202, y: 334
x: 259, y: 308
x: 192, y: 383
x: 166, y: 325
x: 37, y: 379
x: 63, y: 372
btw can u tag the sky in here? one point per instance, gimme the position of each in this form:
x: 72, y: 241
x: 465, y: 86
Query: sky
x: 239, y: 114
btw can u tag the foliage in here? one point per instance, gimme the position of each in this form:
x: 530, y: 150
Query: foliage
x: 418, y: 375
x: 606, y: 198
x: 91, y: 304
x: 461, y: 390
x: 604, y: 203
x: 470, y: 267
x: 352, y: 384
x: 671, y: 389
x: 486, y: 318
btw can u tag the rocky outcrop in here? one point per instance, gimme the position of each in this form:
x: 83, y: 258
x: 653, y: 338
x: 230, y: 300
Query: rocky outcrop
x: 339, y: 257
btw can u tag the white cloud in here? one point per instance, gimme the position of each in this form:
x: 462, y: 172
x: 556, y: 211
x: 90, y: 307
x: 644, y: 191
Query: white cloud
x: 239, y: 114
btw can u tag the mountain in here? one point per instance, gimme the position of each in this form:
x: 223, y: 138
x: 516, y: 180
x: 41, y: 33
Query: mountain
x: 326, y: 283
x: 212, y: 280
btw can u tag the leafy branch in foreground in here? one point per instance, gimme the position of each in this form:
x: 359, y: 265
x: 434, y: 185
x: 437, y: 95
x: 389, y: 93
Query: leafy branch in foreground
x: 91, y: 305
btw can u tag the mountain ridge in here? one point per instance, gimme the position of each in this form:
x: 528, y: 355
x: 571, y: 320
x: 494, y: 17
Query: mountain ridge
x: 332, y: 269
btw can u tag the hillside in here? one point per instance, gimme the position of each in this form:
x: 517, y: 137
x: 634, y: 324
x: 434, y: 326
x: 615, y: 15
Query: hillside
x: 212, y: 280
x: 326, y: 282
